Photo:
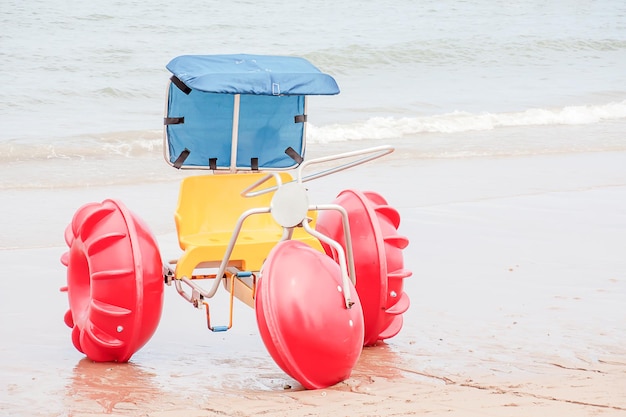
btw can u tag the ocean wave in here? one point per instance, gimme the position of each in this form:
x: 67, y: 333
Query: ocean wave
x: 346, y: 59
x: 599, y: 45
x: 525, y: 52
x: 84, y: 147
x: 460, y: 121
x: 149, y: 143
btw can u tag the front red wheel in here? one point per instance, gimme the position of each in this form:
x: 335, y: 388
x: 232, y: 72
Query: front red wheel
x: 302, y: 316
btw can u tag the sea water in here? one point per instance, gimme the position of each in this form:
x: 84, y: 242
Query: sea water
x: 84, y: 82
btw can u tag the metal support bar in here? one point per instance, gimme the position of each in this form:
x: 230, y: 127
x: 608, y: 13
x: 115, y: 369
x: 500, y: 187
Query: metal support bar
x: 230, y: 310
x: 247, y: 192
x: 370, y: 154
x: 235, y: 135
x: 345, y: 279
x: 365, y: 155
x: 231, y: 245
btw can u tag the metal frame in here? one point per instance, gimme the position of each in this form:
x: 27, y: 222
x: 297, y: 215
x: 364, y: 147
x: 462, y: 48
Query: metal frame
x: 226, y: 272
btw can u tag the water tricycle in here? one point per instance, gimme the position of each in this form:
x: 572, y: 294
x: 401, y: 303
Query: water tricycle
x: 324, y: 280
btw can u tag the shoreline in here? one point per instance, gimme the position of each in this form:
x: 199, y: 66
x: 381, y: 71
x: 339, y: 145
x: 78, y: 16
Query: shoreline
x: 516, y: 305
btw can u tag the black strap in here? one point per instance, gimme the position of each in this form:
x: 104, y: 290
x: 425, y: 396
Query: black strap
x: 181, y: 158
x: 173, y: 120
x: 294, y: 155
x: 181, y: 85
x: 254, y: 164
x: 300, y: 118
x: 213, y: 163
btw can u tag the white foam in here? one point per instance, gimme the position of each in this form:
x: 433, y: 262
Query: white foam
x: 460, y: 121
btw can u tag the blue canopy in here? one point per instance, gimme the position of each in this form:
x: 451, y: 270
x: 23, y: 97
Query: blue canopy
x: 252, y: 74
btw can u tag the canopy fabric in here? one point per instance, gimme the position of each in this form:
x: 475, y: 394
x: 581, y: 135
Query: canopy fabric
x: 252, y: 74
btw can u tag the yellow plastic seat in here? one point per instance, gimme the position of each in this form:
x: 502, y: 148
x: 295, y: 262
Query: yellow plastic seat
x: 207, y: 212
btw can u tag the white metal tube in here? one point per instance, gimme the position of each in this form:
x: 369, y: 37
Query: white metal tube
x: 231, y: 246
x: 368, y: 154
x: 345, y: 279
x: 235, y: 137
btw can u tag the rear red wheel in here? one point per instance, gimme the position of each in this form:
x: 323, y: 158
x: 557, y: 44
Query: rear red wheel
x: 114, y: 282
x: 377, y: 252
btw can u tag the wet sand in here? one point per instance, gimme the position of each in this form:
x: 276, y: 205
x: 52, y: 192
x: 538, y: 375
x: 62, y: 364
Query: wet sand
x: 518, y: 294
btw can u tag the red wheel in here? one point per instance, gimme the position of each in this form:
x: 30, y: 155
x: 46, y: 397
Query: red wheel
x: 114, y: 282
x: 302, y: 316
x: 377, y: 252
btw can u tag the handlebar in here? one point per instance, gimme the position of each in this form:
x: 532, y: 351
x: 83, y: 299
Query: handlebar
x: 358, y: 157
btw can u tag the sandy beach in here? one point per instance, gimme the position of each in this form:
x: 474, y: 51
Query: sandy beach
x: 517, y: 294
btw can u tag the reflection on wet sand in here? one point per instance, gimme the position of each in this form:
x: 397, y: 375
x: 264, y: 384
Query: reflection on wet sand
x: 379, y: 360
x: 260, y: 376
x: 105, y: 387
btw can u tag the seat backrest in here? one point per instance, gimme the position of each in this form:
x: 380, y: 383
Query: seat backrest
x: 213, y: 203
x: 199, y: 130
